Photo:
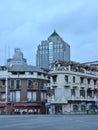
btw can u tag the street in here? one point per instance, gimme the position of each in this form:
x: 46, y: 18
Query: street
x: 48, y: 122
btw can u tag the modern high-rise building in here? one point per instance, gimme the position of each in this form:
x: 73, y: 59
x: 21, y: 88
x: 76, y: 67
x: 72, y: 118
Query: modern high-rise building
x: 18, y: 58
x: 52, y: 49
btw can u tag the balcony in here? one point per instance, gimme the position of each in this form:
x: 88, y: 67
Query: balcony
x: 81, y: 98
x: 75, y: 85
x: 43, y: 88
x: 54, y: 84
x: 96, y: 87
x: 67, y: 84
x: 91, y: 86
x: 83, y: 85
x: 54, y: 99
x: 47, y: 85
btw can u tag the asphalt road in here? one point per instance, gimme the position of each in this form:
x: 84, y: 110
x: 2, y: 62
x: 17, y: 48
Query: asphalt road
x: 49, y: 122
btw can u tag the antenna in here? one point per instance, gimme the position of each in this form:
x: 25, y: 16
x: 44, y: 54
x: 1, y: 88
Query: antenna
x: 8, y: 51
x: 5, y: 56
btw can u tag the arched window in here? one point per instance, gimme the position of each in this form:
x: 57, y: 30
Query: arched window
x: 75, y: 108
x: 92, y: 108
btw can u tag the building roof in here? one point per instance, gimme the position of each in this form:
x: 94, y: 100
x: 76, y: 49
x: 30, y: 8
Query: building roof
x: 91, y: 63
x: 54, y: 34
x: 75, y: 64
x: 25, y: 68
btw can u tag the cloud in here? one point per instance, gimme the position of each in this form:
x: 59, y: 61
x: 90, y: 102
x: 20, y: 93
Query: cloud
x: 25, y: 24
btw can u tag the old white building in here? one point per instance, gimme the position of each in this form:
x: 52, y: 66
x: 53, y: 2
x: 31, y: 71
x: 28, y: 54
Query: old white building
x: 75, y: 87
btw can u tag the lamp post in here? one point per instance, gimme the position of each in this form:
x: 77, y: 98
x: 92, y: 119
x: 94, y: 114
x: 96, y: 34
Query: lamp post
x: 6, y: 91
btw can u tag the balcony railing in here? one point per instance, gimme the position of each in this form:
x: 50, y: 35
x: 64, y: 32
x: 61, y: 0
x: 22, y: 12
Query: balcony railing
x: 83, y: 85
x: 75, y: 84
x: 82, y: 98
x: 91, y: 86
x: 96, y: 86
x: 67, y: 84
x: 54, y: 84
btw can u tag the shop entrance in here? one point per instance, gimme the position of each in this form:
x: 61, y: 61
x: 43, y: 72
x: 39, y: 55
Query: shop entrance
x: 58, y: 109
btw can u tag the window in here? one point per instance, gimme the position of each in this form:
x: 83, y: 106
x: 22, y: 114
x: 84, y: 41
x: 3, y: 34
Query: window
x: 54, y: 78
x: 67, y: 92
x: 35, y: 84
x: 81, y: 80
x: 92, y: 108
x: 29, y: 84
x: 73, y: 92
x: 88, y: 81
x: 34, y: 96
x: 82, y: 93
x: 12, y: 83
x: 83, y: 108
x: 31, y: 96
x: 3, y: 95
x: 50, y: 52
x: 17, y: 84
x: 73, y: 79
x: 66, y: 78
x: 89, y: 92
x: 12, y: 95
x: 43, y: 95
x: 95, y: 82
x: 3, y: 82
x: 75, y: 108
x: 39, y: 74
x: 17, y: 96
x: 58, y: 93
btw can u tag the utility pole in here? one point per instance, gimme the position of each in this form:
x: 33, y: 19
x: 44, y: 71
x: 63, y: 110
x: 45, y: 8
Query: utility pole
x: 6, y: 91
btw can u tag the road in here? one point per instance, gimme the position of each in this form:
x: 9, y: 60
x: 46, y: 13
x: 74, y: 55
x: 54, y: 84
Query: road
x: 49, y: 122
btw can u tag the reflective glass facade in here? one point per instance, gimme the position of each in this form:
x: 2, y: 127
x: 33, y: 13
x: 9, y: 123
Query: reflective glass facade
x: 55, y: 48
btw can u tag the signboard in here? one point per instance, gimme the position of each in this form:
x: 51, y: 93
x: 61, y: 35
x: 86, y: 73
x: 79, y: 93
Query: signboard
x: 96, y: 103
x: 47, y: 103
x: 83, y: 103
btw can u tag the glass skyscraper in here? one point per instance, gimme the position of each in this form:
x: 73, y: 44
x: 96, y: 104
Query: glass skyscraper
x: 52, y: 49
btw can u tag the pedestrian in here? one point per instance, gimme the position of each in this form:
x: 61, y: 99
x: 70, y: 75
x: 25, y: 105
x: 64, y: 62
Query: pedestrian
x: 87, y: 109
x: 96, y: 111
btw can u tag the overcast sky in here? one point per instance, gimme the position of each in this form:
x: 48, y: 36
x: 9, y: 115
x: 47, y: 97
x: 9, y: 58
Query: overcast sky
x: 25, y: 23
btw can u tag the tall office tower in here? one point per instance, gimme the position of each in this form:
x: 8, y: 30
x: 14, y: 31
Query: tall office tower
x: 17, y: 59
x: 52, y: 49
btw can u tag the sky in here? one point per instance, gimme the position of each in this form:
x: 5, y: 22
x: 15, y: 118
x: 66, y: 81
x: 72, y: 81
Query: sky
x: 25, y: 23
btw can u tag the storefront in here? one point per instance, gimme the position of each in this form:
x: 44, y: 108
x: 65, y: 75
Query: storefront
x: 23, y: 108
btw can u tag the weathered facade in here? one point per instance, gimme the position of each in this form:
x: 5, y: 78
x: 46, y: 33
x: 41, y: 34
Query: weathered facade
x: 75, y: 87
x: 23, y: 89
